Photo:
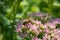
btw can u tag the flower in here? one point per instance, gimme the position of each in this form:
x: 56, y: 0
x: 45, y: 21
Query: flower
x: 57, y: 21
x: 37, y: 30
x: 35, y: 38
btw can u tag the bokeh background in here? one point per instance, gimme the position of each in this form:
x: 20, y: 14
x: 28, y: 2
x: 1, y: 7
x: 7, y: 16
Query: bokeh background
x: 11, y: 11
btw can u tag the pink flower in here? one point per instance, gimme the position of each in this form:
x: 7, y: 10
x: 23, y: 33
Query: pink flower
x: 57, y: 21
x: 45, y: 37
x: 38, y: 22
x: 51, y: 25
x: 48, y: 29
x: 35, y: 38
x: 58, y: 32
x: 34, y: 28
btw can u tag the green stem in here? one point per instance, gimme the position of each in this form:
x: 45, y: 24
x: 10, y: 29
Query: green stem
x: 50, y: 5
x: 15, y: 8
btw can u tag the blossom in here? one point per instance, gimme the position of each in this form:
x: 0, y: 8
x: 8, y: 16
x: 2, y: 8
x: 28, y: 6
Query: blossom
x: 35, y: 38
x: 57, y: 21
x: 37, y: 30
x: 38, y: 22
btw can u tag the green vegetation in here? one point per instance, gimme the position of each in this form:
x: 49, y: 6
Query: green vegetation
x: 13, y: 10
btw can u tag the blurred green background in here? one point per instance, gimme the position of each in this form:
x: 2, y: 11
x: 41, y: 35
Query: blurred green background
x: 13, y: 10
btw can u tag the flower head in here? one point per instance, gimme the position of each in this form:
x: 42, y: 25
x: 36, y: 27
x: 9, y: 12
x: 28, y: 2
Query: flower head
x: 39, y: 28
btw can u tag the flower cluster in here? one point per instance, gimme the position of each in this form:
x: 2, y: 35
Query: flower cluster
x: 39, y: 27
